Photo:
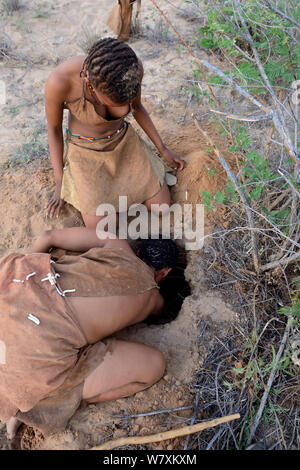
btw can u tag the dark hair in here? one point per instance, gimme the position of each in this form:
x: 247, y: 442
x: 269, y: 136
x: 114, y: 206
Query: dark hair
x: 159, y: 253
x: 115, y: 65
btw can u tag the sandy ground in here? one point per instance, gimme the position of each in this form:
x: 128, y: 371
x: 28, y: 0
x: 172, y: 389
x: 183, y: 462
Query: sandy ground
x: 46, y: 35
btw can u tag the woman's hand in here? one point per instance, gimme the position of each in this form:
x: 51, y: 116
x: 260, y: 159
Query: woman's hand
x: 55, y: 205
x: 172, y: 159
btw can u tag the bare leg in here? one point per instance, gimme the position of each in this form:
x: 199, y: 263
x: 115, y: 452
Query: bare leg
x: 162, y: 197
x: 130, y: 368
x: 12, y: 427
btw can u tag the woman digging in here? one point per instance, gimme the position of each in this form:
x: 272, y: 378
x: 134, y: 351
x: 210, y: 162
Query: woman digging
x: 104, y: 158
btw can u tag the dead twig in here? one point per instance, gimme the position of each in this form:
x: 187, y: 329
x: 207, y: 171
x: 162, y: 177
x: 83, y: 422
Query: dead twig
x: 283, y: 15
x: 294, y: 189
x: 193, y: 418
x: 281, y: 262
x: 270, y: 382
x: 278, y: 200
x: 242, y: 195
x: 163, y: 436
x: 278, y: 116
x: 243, y: 118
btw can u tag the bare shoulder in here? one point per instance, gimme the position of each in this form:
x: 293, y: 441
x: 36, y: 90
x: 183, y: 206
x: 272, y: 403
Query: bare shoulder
x: 63, y: 77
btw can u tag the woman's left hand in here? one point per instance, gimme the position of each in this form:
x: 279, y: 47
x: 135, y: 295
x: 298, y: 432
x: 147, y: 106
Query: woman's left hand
x: 172, y: 159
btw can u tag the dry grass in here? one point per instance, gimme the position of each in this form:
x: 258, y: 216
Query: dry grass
x: 87, y: 38
x: 9, y: 6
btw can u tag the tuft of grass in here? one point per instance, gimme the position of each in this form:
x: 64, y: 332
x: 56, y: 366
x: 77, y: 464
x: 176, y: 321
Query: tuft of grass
x: 12, y: 111
x: 5, y: 44
x: 34, y: 148
x: 9, y: 6
x: 40, y: 11
x: 87, y: 38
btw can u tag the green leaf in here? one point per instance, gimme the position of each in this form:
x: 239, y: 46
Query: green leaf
x: 206, y: 194
x: 255, y: 193
x: 239, y: 370
x: 207, y: 43
x: 220, y: 197
x: 230, y: 190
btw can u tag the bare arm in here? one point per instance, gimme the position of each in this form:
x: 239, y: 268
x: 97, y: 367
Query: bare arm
x: 76, y: 239
x: 144, y: 120
x: 56, y: 90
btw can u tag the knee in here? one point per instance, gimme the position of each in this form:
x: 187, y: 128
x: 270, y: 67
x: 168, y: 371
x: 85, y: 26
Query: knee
x: 157, y: 365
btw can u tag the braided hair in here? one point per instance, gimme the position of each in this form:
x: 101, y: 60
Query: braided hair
x: 159, y: 253
x: 114, y: 65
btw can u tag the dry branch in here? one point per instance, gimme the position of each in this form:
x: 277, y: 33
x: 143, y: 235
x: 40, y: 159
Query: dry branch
x: 277, y: 117
x: 283, y: 15
x: 242, y: 118
x: 242, y: 195
x: 281, y: 262
x: 163, y: 436
x: 281, y: 129
x: 270, y: 382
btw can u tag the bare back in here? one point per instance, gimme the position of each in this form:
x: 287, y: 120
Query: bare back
x: 100, y: 317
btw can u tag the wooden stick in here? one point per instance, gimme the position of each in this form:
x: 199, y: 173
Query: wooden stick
x: 281, y: 262
x: 163, y: 436
x: 243, y: 118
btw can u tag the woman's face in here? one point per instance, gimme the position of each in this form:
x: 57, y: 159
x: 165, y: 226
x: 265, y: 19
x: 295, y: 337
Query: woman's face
x: 101, y: 97
x: 105, y: 99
